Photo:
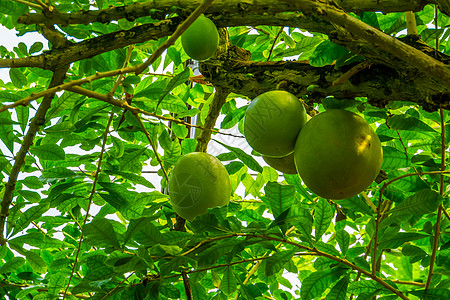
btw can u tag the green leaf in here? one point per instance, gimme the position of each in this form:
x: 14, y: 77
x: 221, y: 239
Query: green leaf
x: 133, y: 178
x: 22, y: 116
x: 36, y: 262
x: 339, y: 290
x: 188, y: 146
x: 315, y: 284
x: 247, y: 159
x: 276, y: 262
x: 175, y: 81
x: 393, y: 159
x: 395, y: 241
x: 6, y: 130
x: 120, y: 202
x: 30, y: 215
x: 12, y: 265
x: 56, y: 283
x: 407, y: 122
x: 58, y: 172
x: 100, y: 232
x: 366, y: 286
x: 343, y: 239
x: 48, y: 152
x: 18, y: 78
x: 326, y: 53
x: 423, y: 202
x: 432, y: 294
x: 323, y: 214
x: 228, y: 285
x: 36, y: 47
x: 145, y: 232
x: 280, y: 197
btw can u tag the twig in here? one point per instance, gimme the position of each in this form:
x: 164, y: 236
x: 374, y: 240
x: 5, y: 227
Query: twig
x: 91, y: 196
x: 125, y: 105
x: 187, y: 285
x: 369, y: 202
x: 117, y: 286
x: 347, y: 75
x: 439, y: 213
x: 274, y: 42
x: 155, y: 150
x: 36, y: 123
x: 178, y: 32
x: 444, y: 211
x: 27, y: 3
x: 125, y: 64
x: 420, y: 284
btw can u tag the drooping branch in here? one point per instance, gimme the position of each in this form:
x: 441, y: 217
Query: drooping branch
x: 162, y: 8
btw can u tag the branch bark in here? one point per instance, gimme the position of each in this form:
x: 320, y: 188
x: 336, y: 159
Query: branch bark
x: 159, y: 9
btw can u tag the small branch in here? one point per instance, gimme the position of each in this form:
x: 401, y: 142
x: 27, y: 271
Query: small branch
x: 414, y: 283
x: 27, y: 3
x: 375, y: 237
x: 275, y: 42
x: 155, y: 150
x: 187, y: 286
x: 117, y: 286
x: 369, y: 202
x: 411, y: 23
x: 437, y: 230
x: 444, y: 211
x: 125, y: 105
x: 347, y: 75
x: 203, y: 139
x: 91, y: 196
x: 120, y: 77
x: 180, y: 29
x: 37, y: 121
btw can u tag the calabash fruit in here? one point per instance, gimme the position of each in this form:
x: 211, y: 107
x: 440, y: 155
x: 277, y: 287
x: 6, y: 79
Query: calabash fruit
x: 197, y: 182
x: 272, y: 123
x: 201, y: 39
x: 337, y: 154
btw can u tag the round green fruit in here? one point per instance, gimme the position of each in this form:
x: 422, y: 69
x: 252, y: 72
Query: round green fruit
x: 272, y: 123
x: 197, y: 182
x: 337, y: 154
x: 284, y: 164
x: 201, y: 39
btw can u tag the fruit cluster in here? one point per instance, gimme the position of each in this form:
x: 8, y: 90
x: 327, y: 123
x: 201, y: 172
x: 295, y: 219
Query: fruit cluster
x: 336, y: 153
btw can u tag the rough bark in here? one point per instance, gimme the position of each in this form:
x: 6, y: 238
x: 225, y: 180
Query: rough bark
x: 158, y: 10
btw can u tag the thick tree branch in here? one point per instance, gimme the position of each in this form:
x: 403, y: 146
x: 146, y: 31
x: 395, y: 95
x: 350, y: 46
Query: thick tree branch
x: 331, y: 13
x: 161, y: 8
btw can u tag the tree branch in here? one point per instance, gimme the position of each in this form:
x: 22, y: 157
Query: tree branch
x: 91, y: 196
x: 331, y: 13
x: 38, y: 120
x: 158, y: 10
x: 203, y: 139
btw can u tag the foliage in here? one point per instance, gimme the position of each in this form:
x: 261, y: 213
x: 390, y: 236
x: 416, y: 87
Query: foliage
x: 89, y: 215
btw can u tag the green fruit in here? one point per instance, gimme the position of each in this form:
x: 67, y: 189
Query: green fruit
x: 197, y: 182
x: 338, y: 155
x: 201, y: 39
x: 284, y: 164
x: 272, y: 123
